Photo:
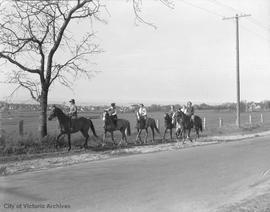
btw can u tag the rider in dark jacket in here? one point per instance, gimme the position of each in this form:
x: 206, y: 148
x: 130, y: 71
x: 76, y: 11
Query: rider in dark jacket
x: 113, y: 113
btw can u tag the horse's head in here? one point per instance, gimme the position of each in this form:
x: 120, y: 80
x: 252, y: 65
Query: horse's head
x: 179, y: 116
x: 167, y: 117
x: 53, y: 113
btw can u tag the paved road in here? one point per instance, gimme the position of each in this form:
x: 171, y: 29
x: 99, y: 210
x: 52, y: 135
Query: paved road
x: 192, y: 179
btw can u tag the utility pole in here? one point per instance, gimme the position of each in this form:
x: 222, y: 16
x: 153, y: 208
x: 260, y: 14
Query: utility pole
x: 236, y: 17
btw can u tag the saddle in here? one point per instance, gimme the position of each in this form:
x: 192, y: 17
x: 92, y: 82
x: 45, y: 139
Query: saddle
x: 71, y: 122
x: 141, y: 123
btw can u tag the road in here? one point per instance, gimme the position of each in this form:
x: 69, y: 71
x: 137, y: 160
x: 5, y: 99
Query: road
x: 192, y: 179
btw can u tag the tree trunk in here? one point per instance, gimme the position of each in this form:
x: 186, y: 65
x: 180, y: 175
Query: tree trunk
x: 43, y: 113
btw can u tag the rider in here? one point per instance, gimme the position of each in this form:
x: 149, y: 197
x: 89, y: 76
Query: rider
x: 113, y: 113
x: 172, y: 112
x: 184, y: 109
x: 72, y: 112
x: 142, y: 114
x: 190, y: 111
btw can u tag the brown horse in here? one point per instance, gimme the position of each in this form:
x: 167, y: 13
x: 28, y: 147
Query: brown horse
x: 168, y: 124
x: 184, y: 124
x: 143, y: 124
x: 81, y: 124
x: 110, y: 126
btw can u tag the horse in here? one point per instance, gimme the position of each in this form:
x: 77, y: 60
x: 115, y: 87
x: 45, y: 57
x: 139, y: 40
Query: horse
x: 168, y: 124
x: 144, y: 124
x: 184, y: 123
x: 122, y: 125
x: 81, y: 124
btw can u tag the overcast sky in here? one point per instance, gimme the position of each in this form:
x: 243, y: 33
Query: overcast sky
x: 190, y: 56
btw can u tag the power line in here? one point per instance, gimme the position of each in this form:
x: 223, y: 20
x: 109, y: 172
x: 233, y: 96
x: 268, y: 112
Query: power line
x: 202, y: 8
x: 225, y: 5
x: 251, y: 19
x: 255, y: 33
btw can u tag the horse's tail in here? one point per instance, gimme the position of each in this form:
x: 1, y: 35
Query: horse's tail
x: 200, y: 124
x: 128, y: 129
x: 92, y: 128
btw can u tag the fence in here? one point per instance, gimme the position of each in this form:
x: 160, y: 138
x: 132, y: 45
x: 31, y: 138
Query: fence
x: 24, y: 122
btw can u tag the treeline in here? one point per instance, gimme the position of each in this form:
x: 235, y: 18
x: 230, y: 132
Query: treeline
x: 244, y: 107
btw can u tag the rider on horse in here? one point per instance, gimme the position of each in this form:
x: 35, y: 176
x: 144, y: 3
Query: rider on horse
x: 172, y: 114
x: 190, y: 111
x: 172, y: 111
x: 72, y: 112
x: 113, y: 113
x: 142, y: 114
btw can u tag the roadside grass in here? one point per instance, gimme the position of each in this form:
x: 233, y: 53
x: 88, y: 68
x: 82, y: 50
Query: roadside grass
x: 12, y: 144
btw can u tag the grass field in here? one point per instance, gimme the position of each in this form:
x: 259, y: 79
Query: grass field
x: 31, y: 122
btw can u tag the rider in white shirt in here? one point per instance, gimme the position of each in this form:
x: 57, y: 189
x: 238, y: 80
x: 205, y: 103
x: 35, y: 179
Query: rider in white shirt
x: 142, y: 112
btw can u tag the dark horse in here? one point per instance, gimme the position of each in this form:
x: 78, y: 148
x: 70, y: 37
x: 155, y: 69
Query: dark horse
x: 184, y: 123
x: 81, y: 124
x: 144, y: 124
x: 121, y: 124
x: 168, y: 124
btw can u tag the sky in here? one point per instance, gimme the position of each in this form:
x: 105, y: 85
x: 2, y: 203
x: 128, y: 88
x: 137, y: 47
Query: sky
x: 190, y: 56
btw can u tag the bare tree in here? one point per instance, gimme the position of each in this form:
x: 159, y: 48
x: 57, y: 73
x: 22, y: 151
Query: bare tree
x: 31, y: 35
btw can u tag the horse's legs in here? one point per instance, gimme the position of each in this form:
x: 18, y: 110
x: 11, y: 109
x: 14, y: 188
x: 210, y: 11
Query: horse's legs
x: 184, y: 135
x: 69, y: 143
x: 86, y: 135
x: 104, y: 136
x: 57, y: 139
x: 164, y: 133
x: 124, y: 138
x: 146, y: 136
x: 171, y: 133
x: 112, y: 137
x: 153, y: 135
x: 139, y: 136
x: 188, y: 136
x: 197, y: 132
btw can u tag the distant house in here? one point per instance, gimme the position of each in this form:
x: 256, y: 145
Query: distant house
x: 133, y: 107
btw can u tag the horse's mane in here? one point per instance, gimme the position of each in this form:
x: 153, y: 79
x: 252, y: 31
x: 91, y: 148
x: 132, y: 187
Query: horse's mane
x: 59, y: 111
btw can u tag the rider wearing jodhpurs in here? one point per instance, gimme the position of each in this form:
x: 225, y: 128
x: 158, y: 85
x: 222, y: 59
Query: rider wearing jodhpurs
x: 190, y: 112
x: 72, y: 112
x: 142, y: 115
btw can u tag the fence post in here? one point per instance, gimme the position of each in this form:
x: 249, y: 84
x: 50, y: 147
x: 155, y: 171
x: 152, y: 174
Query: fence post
x: 204, y: 123
x: 261, y: 118
x: 1, y: 118
x: 21, y: 127
x: 250, y: 119
x: 220, y: 122
x: 157, y: 123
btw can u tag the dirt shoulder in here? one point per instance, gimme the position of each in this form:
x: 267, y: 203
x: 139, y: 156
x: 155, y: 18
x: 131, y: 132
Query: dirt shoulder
x: 37, y: 162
